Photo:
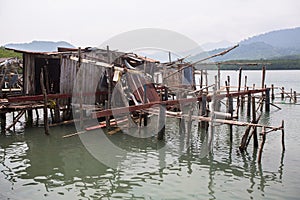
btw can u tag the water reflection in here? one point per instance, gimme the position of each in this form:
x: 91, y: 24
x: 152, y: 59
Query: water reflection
x: 66, y: 169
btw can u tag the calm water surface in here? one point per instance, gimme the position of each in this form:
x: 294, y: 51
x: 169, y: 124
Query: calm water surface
x: 35, y: 166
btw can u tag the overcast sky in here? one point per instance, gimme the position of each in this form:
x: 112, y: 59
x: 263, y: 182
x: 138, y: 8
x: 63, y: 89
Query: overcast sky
x: 91, y: 22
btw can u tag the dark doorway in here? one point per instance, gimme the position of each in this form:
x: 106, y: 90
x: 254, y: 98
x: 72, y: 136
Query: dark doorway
x: 53, y: 69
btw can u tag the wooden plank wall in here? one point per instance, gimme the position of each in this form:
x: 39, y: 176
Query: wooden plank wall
x: 29, y: 74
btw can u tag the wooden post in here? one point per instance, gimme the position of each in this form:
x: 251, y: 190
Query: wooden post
x: 3, y: 122
x: 161, y: 122
x: 230, y: 110
x: 15, y: 120
x: 230, y: 106
x: 14, y: 124
x: 239, y: 89
x: 216, y: 102
x: 46, y: 77
x: 46, y: 123
x: 81, y: 90
x: 170, y: 58
x: 166, y: 95
x: 291, y: 95
x: 219, y: 77
x: 282, y: 135
x: 243, y: 96
x: 255, y: 140
x: 295, y: 97
x: 243, y: 145
x: 213, y: 117
x: 56, y: 112
x: 263, y: 77
x: 109, y: 88
x: 107, y: 118
x: 228, y: 80
x: 206, y: 81
x: 145, y: 100
x: 29, y: 122
x: 272, y: 91
x: 189, y: 123
x: 248, y: 103
x: 263, y: 86
x: 267, y: 105
x: 37, y: 116
x: 201, y: 82
x: 203, y: 109
x: 262, y: 144
x: 227, y: 90
x: 282, y: 93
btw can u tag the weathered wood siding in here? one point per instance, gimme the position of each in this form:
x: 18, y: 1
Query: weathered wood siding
x: 86, y: 80
x: 29, y: 74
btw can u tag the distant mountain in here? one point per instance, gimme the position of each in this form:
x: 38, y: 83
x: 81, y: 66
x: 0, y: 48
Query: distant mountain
x: 270, y: 45
x: 216, y: 45
x: 39, y: 46
x: 287, y: 38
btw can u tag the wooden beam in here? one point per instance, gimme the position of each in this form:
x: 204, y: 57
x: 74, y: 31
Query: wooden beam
x: 121, y: 110
x: 49, y: 96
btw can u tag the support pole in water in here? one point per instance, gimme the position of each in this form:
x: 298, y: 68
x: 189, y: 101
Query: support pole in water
x: 145, y: 100
x: 282, y: 135
x: 239, y: 89
x: 248, y: 104
x: 295, y: 97
x: 3, y: 122
x: 230, y: 110
x: 262, y: 144
x: 263, y: 86
x: 29, y: 118
x: 161, y: 122
x: 110, y: 71
x: 267, y: 105
x: 272, y: 91
x: 46, y: 123
x: 282, y: 93
x: 203, y: 109
x: 255, y: 140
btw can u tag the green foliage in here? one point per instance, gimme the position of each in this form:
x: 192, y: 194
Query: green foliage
x: 4, y: 53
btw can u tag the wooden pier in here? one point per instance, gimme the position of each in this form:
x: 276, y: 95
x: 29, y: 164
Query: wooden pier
x: 73, y: 85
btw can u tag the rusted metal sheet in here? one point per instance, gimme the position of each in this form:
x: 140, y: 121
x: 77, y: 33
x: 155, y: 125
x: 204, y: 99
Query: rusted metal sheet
x: 136, y: 83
